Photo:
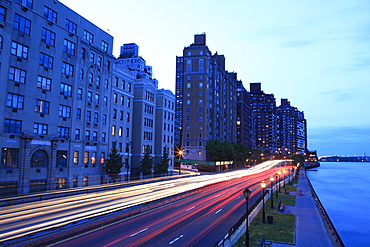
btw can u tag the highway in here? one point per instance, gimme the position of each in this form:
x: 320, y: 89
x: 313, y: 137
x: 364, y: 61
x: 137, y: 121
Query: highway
x: 196, y: 220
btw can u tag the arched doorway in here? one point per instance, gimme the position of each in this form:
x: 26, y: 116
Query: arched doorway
x: 39, y: 171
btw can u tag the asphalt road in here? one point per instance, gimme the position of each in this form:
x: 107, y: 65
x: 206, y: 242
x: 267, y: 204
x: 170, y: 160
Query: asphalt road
x: 198, y: 219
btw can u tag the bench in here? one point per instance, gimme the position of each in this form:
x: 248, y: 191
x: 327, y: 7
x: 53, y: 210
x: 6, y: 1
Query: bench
x: 280, y: 207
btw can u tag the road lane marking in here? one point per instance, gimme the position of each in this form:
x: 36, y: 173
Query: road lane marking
x: 138, y: 232
x: 173, y: 241
x: 218, y: 211
x: 190, y: 208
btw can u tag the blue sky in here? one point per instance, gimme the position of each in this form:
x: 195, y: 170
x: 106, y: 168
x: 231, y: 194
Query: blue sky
x: 315, y: 53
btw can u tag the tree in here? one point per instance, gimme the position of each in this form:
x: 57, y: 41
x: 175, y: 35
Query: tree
x: 220, y: 151
x: 113, y: 164
x: 146, y: 164
x: 162, y: 167
x: 298, y: 159
x: 242, y: 153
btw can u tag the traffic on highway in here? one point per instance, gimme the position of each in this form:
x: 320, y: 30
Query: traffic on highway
x: 207, y: 206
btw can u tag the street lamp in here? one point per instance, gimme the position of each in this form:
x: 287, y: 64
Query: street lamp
x: 279, y: 173
x: 180, y: 153
x: 263, y: 185
x: 272, y: 198
x: 246, y: 193
x: 128, y: 158
x: 284, y: 171
x: 276, y: 191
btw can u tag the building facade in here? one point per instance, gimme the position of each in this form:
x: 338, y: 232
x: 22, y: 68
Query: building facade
x: 66, y: 103
x: 154, y: 111
x: 205, y: 99
x: 292, y: 129
x: 264, y: 120
x: 244, y: 117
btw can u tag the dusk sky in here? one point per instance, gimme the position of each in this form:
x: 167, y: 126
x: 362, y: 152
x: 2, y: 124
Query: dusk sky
x: 315, y: 53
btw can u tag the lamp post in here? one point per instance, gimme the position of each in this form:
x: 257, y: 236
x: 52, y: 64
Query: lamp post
x: 284, y: 171
x: 272, y: 198
x: 276, y: 191
x: 279, y: 173
x: 180, y: 153
x: 246, y: 193
x: 263, y: 185
x: 128, y: 158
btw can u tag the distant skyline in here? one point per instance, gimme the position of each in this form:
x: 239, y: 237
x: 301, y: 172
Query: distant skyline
x: 315, y: 53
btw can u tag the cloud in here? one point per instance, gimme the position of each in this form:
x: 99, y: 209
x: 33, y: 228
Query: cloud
x: 340, y: 95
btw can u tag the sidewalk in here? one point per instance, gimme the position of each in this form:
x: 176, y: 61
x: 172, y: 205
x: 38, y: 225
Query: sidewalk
x: 310, y: 230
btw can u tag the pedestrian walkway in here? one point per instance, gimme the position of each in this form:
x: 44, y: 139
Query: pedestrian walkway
x: 310, y: 230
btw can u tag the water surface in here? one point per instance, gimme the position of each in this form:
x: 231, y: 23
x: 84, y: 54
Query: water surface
x: 344, y: 191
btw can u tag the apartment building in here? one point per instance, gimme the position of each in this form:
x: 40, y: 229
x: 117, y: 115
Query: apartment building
x: 154, y: 109
x: 292, y: 129
x: 244, y: 117
x: 264, y: 120
x: 205, y: 99
x: 66, y: 101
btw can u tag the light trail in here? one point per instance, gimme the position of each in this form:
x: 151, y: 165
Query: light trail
x: 20, y: 220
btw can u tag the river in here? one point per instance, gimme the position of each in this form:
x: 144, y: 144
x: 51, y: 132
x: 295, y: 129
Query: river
x: 344, y: 191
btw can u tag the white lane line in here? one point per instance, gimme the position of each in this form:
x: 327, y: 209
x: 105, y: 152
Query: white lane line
x: 173, y: 241
x: 218, y: 211
x: 190, y: 208
x: 138, y: 232
x: 217, y: 196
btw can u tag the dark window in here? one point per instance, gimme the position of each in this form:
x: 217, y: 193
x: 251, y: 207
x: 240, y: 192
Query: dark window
x: 19, y: 50
x: 69, y: 47
x: 48, y: 37
x: 15, y: 100
x: 22, y: 24
x: 104, y: 46
x: 27, y: 3
x: 40, y: 129
x: 2, y: 14
x: 46, y: 60
x: 12, y: 126
x: 17, y: 75
x: 63, y: 132
x: 39, y: 159
x: 71, y: 26
x: 61, y: 158
x: 66, y: 89
x: 64, y: 111
x: 67, y: 69
x: 88, y: 36
x: 50, y: 14
x: 44, y: 83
